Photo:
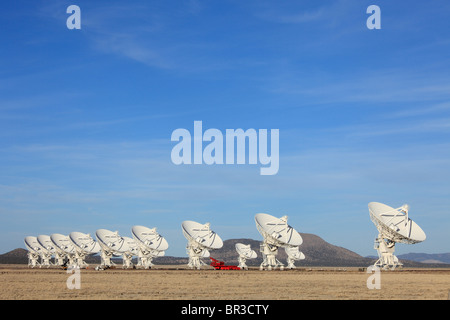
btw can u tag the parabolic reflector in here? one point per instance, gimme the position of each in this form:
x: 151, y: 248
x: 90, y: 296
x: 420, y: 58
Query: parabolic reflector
x: 32, y: 244
x: 130, y: 246
x: 245, y: 251
x: 276, y: 233
x: 111, y: 240
x: 46, y: 243
x: 63, y: 242
x: 35, y: 250
x: 277, y: 230
x: 150, y: 238
x: 201, y: 234
x: 85, y: 242
x: 294, y: 253
x: 395, y: 223
x: 201, y: 239
x: 150, y: 245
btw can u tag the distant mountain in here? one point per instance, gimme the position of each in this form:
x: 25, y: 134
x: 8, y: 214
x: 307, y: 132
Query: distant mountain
x: 16, y: 256
x: 426, y: 257
x: 317, y: 252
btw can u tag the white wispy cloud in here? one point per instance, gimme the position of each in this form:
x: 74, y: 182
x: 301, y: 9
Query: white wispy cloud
x: 302, y: 17
x: 393, y: 84
x: 427, y: 109
x: 298, y: 13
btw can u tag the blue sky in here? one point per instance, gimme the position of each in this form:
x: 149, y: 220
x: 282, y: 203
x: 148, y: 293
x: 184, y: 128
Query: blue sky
x: 86, y: 116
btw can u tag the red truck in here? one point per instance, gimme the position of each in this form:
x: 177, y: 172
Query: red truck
x: 220, y: 265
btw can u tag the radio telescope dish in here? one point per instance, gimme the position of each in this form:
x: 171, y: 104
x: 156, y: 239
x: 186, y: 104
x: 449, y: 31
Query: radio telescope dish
x: 293, y: 254
x: 34, y: 251
x: 201, y: 239
x: 276, y: 233
x: 85, y: 246
x: 48, y: 249
x: 150, y: 244
x: 64, y: 249
x: 129, y: 250
x: 114, y: 244
x: 393, y: 225
x: 245, y: 252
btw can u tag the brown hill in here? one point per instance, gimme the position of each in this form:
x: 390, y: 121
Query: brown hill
x: 16, y: 256
x: 317, y: 252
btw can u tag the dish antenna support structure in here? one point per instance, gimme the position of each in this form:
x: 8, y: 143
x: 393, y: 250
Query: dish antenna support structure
x: 128, y: 253
x: 48, y: 250
x: 113, y: 244
x: 245, y: 252
x: 276, y: 233
x: 64, y: 249
x: 201, y: 239
x: 106, y: 254
x: 293, y: 254
x: 393, y: 225
x: 107, y: 240
x: 150, y: 244
x: 85, y: 246
x: 52, y: 249
x: 34, y: 251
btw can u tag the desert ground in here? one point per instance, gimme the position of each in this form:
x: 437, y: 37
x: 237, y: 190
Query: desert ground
x: 18, y: 282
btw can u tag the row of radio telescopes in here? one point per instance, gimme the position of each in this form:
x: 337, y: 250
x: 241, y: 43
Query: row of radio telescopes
x: 393, y: 226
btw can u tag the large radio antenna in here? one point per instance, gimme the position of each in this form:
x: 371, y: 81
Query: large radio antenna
x: 293, y: 254
x: 113, y: 244
x: 277, y: 233
x: 65, y: 250
x: 150, y: 245
x: 85, y: 246
x: 201, y: 239
x: 48, y: 250
x: 34, y: 251
x: 393, y: 226
x: 245, y: 252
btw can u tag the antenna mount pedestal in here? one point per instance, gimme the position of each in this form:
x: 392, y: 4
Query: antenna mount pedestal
x: 385, y: 249
x: 33, y: 259
x: 195, y: 253
x: 394, y: 226
x: 269, y: 253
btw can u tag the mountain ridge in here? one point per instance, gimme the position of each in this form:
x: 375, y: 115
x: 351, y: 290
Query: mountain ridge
x: 427, y: 257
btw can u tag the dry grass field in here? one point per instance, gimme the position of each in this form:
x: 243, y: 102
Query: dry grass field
x: 171, y: 283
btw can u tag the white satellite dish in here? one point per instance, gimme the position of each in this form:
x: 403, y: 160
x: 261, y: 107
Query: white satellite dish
x: 150, y: 244
x: 293, y: 254
x: 393, y: 226
x: 64, y: 249
x: 245, y: 252
x: 114, y: 244
x: 201, y: 239
x: 132, y: 249
x: 34, y: 251
x: 276, y: 233
x: 85, y: 246
x: 48, y: 249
